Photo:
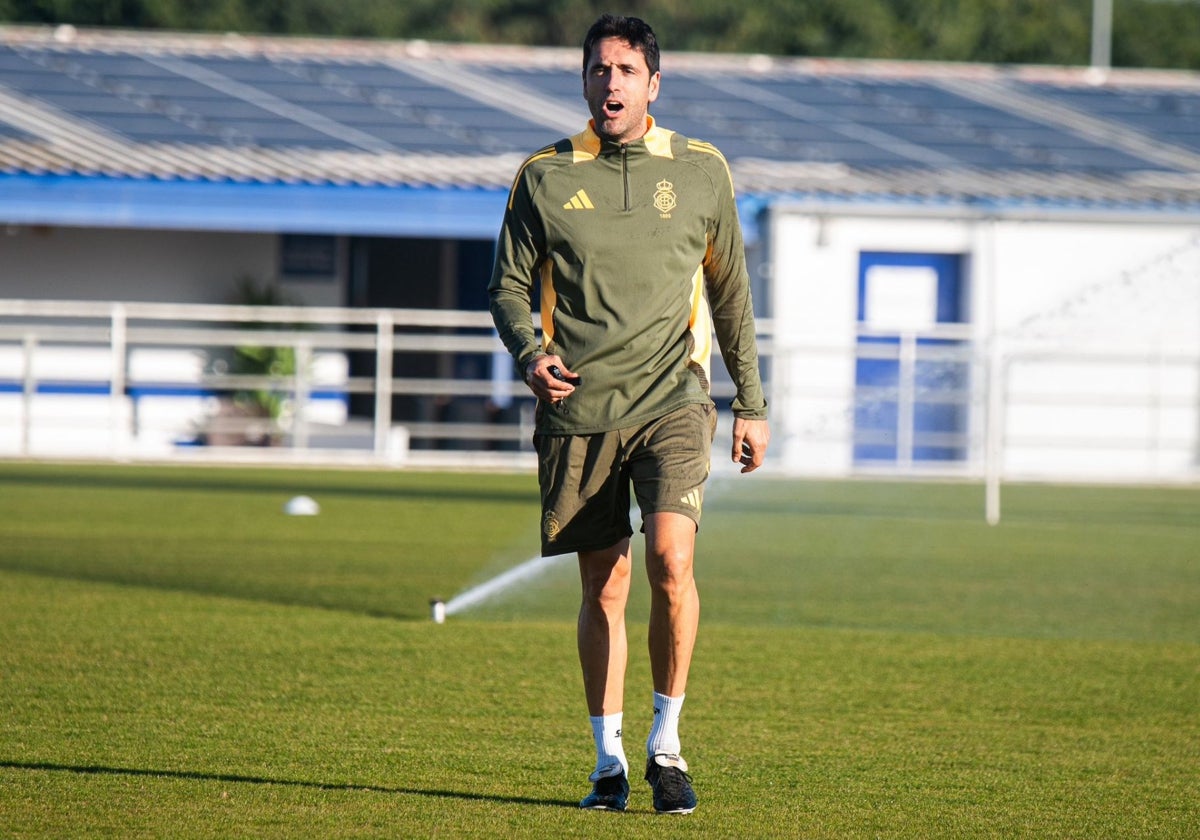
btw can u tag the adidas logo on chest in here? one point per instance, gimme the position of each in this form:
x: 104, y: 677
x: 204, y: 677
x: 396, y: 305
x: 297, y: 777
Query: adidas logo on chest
x: 579, y: 201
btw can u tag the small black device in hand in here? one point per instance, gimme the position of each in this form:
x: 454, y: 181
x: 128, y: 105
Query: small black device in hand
x: 560, y: 376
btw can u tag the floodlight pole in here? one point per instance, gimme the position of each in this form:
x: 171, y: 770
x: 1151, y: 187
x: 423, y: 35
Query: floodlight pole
x: 1102, y: 15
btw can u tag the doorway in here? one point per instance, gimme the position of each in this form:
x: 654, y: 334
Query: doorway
x: 911, y: 382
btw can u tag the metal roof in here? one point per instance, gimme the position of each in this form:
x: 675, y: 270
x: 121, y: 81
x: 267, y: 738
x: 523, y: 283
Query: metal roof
x: 182, y: 119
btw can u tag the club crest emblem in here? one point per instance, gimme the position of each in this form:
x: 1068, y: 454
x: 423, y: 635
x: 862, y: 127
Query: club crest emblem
x: 550, y: 526
x: 664, y: 198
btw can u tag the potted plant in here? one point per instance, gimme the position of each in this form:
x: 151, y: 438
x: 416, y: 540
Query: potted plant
x: 252, y: 416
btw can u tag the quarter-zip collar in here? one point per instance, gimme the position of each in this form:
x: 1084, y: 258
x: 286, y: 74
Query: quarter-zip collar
x: 656, y: 141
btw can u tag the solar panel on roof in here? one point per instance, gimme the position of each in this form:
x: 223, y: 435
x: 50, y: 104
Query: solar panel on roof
x: 216, y: 99
x: 1169, y: 116
x: 367, y: 103
x: 7, y: 130
x: 552, y: 81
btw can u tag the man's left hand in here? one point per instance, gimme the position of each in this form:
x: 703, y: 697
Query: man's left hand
x: 750, y: 439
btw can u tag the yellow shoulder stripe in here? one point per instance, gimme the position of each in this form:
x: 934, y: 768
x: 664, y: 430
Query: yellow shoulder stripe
x: 549, y: 151
x: 710, y: 149
x: 585, y: 146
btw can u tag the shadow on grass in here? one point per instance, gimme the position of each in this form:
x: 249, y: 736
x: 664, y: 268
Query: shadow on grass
x: 272, y: 483
x: 232, y: 778
x: 418, y: 612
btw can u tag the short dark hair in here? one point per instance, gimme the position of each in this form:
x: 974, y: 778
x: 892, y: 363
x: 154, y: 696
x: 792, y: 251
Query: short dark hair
x: 634, y: 31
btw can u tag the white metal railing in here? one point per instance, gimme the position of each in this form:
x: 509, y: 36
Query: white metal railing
x: 114, y: 331
x: 145, y: 381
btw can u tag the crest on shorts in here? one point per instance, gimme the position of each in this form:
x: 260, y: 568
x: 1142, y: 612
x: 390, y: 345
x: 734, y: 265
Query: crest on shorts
x: 664, y: 198
x: 550, y: 526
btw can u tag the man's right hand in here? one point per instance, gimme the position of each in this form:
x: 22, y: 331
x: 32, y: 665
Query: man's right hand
x: 544, y: 384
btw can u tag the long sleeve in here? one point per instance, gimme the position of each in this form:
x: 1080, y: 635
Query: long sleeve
x: 727, y: 284
x: 519, y: 252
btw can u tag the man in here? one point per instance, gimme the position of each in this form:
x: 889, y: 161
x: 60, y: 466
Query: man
x: 632, y: 233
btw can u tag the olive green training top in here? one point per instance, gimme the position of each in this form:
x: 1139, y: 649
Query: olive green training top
x: 634, y: 246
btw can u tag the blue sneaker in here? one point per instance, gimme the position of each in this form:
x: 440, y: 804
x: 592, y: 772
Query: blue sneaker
x: 609, y: 793
x: 672, y: 786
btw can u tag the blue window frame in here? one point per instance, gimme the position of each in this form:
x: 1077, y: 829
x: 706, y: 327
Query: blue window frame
x: 915, y: 408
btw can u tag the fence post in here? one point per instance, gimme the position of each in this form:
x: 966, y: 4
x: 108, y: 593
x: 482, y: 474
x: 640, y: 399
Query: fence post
x: 384, y: 347
x: 303, y: 356
x: 28, y: 389
x: 994, y: 451
x: 118, y: 345
x: 906, y: 397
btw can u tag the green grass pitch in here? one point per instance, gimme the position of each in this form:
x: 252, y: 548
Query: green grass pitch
x: 178, y: 658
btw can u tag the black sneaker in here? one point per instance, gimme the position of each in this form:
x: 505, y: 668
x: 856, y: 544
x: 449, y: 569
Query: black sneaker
x: 609, y: 793
x: 672, y: 786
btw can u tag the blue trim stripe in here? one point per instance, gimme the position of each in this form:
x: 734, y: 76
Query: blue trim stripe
x: 75, y: 201
x: 330, y: 209
x: 102, y: 389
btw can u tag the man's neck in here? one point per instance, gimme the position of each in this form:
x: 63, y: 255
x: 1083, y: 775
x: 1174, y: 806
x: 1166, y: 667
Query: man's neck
x: 613, y: 141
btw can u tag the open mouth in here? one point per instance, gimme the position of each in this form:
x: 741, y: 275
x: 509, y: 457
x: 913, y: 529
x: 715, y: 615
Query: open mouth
x: 611, y: 108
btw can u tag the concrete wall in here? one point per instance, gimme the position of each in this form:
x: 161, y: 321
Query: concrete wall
x: 58, y: 263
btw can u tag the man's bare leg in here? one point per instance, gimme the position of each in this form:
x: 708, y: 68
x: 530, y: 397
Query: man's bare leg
x: 603, y: 653
x: 674, y: 619
x: 674, y: 600
x: 603, y: 647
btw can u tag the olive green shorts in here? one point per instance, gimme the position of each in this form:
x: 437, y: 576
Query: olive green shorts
x: 585, y: 479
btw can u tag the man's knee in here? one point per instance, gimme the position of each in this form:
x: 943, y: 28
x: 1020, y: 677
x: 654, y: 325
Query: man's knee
x: 669, y: 567
x: 605, y: 577
x: 670, y: 546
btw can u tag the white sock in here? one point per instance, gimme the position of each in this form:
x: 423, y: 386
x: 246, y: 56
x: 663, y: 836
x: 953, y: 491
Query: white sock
x: 664, y: 733
x: 610, y: 752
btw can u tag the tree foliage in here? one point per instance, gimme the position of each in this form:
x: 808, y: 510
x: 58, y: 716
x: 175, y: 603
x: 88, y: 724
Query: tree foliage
x: 1146, y: 33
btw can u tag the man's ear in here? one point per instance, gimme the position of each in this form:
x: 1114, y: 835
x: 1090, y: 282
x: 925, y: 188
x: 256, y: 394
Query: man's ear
x: 655, y: 80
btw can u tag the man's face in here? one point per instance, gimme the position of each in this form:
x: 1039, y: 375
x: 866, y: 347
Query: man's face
x: 618, y: 88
